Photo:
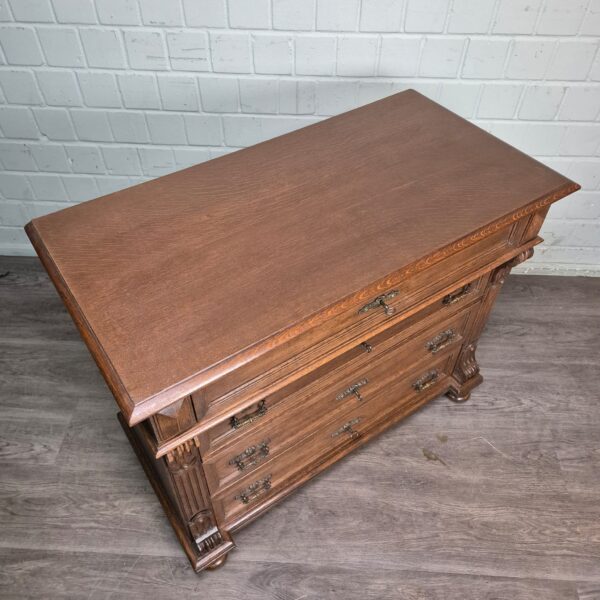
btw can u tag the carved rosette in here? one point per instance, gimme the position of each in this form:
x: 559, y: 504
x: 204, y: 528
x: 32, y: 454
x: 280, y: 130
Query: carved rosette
x: 185, y: 467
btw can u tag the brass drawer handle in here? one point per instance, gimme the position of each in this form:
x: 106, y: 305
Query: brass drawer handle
x: 353, y: 389
x: 348, y: 428
x: 458, y: 295
x: 426, y: 381
x: 261, y: 411
x: 381, y: 301
x: 253, y: 491
x: 440, y: 341
x: 255, y: 453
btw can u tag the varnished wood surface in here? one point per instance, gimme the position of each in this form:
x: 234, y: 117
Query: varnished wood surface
x: 215, y: 264
x: 512, y: 512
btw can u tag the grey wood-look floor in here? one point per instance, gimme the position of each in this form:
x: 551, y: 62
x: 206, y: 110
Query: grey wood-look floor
x: 512, y: 512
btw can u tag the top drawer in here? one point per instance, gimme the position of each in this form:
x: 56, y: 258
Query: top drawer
x: 442, y: 311
x: 369, y: 316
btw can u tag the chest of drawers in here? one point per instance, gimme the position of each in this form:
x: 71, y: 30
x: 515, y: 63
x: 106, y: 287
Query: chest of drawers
x: 259, y: 316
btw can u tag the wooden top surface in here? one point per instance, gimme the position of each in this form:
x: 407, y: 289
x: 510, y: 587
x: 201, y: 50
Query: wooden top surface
x: 170, y: 278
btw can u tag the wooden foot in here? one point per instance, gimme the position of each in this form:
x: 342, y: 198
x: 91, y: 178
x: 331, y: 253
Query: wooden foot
x: 456, y: 396
x: 217, y: 563
x: 461, y: 392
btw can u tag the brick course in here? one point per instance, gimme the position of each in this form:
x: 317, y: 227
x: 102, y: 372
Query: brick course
x: 97, y: 95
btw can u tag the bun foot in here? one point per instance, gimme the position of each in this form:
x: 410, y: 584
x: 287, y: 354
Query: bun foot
x: 456, y: 396
x: 217, y: 563
x: 461, y: 392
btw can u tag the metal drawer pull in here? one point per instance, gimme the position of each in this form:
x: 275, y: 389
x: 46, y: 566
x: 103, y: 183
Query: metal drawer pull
x: 426, y: 381
x: 381, y: 301
x: 440, y: 341
x: 262, y: 486
x: 368, y: 348
x: 255, y: 453
x: 261, y: 411
x: 347, y: 428
x: 458, y: 295
x: 353, y: 389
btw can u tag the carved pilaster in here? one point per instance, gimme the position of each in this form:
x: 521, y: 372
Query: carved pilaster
x: 466, y: 374
x: 185, y: 466
x: 178, y: 480
x: 186, y: 470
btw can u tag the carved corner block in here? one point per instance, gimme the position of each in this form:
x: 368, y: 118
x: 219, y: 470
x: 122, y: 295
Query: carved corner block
x: 173, y: 420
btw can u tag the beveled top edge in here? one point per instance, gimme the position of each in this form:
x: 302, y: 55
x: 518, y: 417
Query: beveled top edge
x: 138, y: 406
x: 144, y: 409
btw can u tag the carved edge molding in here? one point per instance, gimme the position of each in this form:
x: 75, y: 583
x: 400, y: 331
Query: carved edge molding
x: 185, y: 467
x: 144, y: 408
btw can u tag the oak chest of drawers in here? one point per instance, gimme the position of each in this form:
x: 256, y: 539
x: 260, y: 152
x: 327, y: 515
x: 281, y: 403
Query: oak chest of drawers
x: 259, y: 316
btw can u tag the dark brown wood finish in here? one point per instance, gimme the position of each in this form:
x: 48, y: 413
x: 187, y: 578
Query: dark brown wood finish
x: 260, y: 316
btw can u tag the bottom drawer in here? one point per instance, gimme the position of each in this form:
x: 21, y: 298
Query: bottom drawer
x: 428, y: 380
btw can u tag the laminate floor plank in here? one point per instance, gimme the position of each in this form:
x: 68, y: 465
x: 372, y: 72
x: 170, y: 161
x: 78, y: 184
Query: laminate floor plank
x: 37, y: 574
x: 497, y: 498
x: 588, y: 592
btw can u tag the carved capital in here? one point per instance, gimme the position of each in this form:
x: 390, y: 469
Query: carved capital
x: 183, y: 457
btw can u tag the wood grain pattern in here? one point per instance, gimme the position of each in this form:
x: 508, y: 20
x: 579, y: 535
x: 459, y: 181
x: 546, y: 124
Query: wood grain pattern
x: 195, y: 266
x: 513, y: 516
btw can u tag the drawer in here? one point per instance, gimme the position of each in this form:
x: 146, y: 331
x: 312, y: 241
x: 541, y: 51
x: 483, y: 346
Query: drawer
x: 359, y: 319
x: 426, y: 381
x: 252, y: 406
x: 347, y: 385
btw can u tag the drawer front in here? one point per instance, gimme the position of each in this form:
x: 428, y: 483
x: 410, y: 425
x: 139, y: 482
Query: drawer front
x: 252, y: 410
x: 344, y: 388
x: 312, y: 395
x: 427, y: 381
x: 366, y: 318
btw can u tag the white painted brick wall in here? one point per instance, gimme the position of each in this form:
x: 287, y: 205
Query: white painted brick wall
x: 139, y: 90
x: 272, y: 54
x: 103, y: 48
x: 98, y: 95
x: 99, y: 90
